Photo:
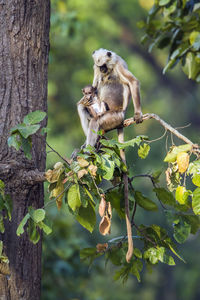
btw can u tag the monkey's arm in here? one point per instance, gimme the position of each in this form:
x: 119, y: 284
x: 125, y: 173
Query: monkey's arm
x: 84, y: 116
x: 129, y: 79
x: 96, y: 76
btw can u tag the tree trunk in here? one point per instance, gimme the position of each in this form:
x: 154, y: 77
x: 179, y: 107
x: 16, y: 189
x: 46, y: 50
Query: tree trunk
x: 24, y: 47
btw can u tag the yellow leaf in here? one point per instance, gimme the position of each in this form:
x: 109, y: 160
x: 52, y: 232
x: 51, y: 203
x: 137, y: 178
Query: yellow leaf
x: 81, y: 173
x: 182, y: 161
x: 93, y: 170
x: 109, y: 210
x: 104, y: 226
x: 101, y: 247
x: 82, y: 162
x: 53, y: 175
x: 58, y: 165
x: 58, y: 194
x: 102, y: 205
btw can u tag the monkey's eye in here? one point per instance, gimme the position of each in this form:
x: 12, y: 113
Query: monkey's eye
x: 93, y: 52
x: 109, y: 54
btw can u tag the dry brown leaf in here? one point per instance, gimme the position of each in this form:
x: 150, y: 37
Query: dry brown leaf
x: 82, y: 162
x: 101, y: 247
x: 53, y: 175
x: 81, y: 173
x: 93, y: 170
x: 104, y: 226
x: 102, y: 205
x: 183, y: 161
x: 168, y: 173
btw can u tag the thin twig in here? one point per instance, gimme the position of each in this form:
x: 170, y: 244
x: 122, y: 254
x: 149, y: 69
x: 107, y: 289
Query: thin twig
x: 58, y: 154
x: 144, y: 235
x: 54, y: 200
x: 155, y: 140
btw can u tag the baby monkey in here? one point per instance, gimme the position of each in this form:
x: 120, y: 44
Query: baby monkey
x: 90, y: 106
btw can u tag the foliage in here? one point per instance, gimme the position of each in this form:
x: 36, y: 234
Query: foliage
x: 95, y: 177
x: 175, y: 24
x: 21, y: 135
x: 5, y: 213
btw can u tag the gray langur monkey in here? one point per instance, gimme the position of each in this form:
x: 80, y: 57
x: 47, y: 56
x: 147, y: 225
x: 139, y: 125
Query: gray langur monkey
x: 115, y: 85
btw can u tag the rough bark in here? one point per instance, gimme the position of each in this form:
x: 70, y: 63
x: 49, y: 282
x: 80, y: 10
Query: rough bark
x: 24, y: 47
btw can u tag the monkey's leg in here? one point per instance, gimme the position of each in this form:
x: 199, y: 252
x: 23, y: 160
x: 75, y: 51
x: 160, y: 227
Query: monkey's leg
x: 92, y: 132
x: 127, y: 214
x: 84, y: 117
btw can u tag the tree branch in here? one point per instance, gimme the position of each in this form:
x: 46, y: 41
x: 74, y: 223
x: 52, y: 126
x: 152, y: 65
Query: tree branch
x: 168, y: 127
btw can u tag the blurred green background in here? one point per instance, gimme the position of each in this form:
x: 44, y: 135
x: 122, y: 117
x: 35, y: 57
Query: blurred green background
x: 78, y: 27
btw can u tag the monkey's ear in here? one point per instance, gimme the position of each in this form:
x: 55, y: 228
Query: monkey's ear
x: 93, y: 52
x: 83, y: 90
x: 109, y: 54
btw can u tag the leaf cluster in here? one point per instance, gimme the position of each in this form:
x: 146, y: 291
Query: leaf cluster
x: 175, y: 24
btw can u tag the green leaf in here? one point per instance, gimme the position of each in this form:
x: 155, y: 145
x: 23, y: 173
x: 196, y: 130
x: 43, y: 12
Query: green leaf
x: 25, y: 130
x: 181, y: 231
x: 26, y: 147
x: 164, y: 257
x: 2, y: 227
x: 196, y: 180
x: 145, y: 202
x: 108, y: 166
x: 182, y: 195
x: 159, y: 254
x: 45, y: 228
x: 87, y: 217
x: 163, y: 2
x: 2, y: 186
x: 164, y: 196
x: 194, y: 168
x: 8, y: 205
x: 191, y: 67
x: 14, y: 141
x: 37, y: 215
x: 123, y: 273
x: 73, y: 196
x: 137, y: 252
x: 34, y: 117
x: 143, y: 151
x: 152, y: 255
x: 196, y: 201
x: 116, y: 255
x: 137, y: 268
x: 133, y: 142
x: 20, y: 228
x: 194, y: 221
x: 34, y: 235
x: 115, y: 197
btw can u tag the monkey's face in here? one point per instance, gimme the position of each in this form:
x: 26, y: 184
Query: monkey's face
x: 89, y: 92
x: 104, y: 59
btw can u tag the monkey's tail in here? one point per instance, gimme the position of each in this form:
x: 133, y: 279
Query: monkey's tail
x: 125, y: 179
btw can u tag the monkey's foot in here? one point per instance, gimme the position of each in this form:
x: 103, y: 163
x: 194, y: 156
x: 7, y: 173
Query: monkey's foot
x: 138, y: 118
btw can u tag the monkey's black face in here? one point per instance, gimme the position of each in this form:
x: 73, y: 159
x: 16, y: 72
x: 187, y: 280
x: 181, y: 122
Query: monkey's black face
x: 103, y: 69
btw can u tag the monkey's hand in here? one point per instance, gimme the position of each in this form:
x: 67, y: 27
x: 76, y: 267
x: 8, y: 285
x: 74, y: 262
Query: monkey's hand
x: 138, y: 117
